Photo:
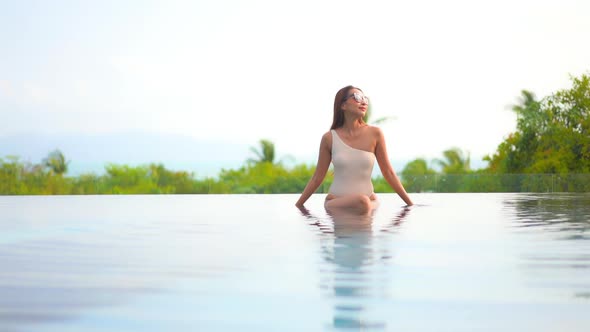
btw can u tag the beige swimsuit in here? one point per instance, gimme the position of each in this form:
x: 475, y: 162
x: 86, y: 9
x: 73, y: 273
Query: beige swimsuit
x: 352, y: 169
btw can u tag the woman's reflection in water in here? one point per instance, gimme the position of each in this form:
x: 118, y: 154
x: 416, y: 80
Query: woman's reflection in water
x: 354, y: 275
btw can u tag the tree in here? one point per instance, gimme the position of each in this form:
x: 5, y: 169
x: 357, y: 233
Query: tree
x: 552, y: 135
x: 455, y: 162
x: 517, y: 151
x: 56, y: 162
x: 417, y: 167
x: 265, y: 154
x: 418, y: 176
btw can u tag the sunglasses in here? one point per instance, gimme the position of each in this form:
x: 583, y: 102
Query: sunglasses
x: 359, y: 98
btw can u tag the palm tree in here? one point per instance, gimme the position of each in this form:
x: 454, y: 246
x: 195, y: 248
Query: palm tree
x: 56, y: 162
x: 455, y: 162
x: 265, y: 154
x: 417, y: 167
x: 528, y: 111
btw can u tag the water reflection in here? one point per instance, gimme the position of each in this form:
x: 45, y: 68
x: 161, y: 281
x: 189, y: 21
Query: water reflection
x: 559, y: 225
x: 56, y: 280
x: 563, y: 213
x: 354, y: 275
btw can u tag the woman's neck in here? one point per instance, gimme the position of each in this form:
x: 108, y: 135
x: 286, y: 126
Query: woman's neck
x: 352, y: 125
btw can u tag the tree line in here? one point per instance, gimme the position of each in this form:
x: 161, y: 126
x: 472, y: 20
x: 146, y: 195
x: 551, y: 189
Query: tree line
x: 549, y: 151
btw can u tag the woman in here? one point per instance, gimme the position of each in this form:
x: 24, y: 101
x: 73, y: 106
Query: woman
x: 352, y: 146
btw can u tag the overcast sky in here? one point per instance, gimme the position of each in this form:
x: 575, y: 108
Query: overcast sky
x: 447, y: 71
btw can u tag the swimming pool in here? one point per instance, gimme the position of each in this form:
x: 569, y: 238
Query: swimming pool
x: 455, y: 262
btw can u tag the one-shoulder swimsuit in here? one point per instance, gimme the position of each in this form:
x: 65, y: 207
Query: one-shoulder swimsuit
x: 352, y: 169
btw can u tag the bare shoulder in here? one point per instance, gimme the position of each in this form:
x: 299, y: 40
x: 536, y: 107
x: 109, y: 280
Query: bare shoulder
x: 376, y: 132
x: 327, y: 139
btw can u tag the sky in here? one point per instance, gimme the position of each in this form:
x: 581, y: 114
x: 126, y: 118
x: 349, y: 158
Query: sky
x: 446, y: 72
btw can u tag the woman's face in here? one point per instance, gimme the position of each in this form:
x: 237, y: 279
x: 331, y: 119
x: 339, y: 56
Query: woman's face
x: 356, y: 103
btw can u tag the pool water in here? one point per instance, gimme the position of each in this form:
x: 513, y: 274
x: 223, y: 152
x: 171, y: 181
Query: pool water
x: 454, y: 262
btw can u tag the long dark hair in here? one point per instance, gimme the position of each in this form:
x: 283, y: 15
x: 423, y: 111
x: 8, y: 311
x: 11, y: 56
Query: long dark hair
x: 338, y: 100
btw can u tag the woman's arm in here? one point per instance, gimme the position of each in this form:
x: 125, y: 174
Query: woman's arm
x: 387, y: 170
x: 324, y: 159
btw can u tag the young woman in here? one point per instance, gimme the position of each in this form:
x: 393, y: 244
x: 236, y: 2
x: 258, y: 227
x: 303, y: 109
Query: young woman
x: 352, y: 146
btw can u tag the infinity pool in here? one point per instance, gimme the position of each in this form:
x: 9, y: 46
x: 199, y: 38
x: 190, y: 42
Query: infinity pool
x: 454, y: 262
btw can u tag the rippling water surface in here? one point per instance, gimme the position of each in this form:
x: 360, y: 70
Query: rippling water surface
x: 455, y: 262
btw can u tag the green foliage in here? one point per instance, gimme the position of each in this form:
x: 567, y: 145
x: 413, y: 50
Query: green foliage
x: 265, y: 178
x: 417, y: 176
x: 150, y: 179
x: 87, y: 184
x: 56, y: 162
x: 552, y: 136
x: 454, y: 162
x: 11, y: 174
x: 380, y: 185
x: 24, y: 178
x: 266, y: 154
